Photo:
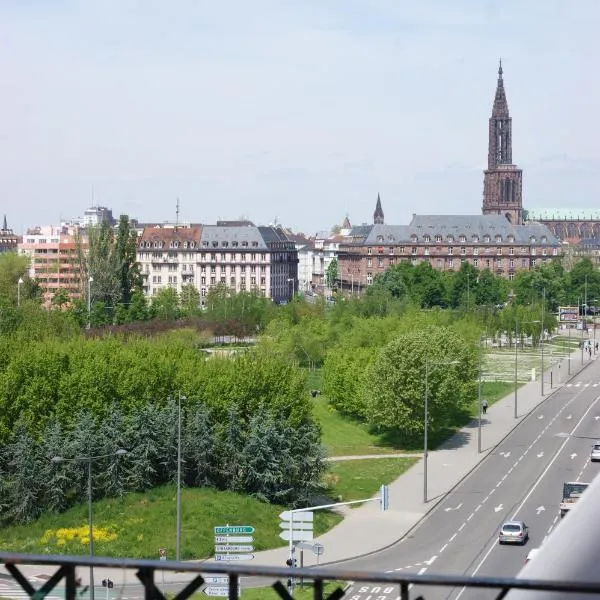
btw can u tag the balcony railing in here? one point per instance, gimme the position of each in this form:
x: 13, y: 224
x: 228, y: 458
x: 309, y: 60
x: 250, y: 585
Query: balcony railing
x: 284, y: 578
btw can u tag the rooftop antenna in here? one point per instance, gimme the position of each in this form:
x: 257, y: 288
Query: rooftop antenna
x: 177, y: 213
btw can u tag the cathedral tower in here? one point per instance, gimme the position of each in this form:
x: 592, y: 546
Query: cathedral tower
x: 502, y: 181
x: 378, y: 214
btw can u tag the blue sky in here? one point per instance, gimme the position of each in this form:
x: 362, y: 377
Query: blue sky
x: 295, y: 111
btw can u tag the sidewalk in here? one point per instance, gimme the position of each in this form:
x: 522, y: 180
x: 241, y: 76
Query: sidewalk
x: 366, y: 529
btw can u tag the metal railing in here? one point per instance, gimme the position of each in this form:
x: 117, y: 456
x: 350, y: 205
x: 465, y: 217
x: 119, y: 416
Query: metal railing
x: 146, y: 571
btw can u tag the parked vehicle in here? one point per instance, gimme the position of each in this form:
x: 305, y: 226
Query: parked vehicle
x: 513, y: 532
x: 572, y: 491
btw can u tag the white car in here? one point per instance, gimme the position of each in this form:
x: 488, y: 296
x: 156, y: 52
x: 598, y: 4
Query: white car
x: 595, y: 453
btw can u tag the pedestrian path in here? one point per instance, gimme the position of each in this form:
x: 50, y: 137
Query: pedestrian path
x: 11, y: 589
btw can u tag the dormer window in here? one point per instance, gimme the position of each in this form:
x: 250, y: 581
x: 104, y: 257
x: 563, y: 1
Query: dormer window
x: 462, y: 239
x: 438, y: 239
x: 380, y: 238
x: 450, y: 239
x: 215, y: 244
x: 486, y: 239
x: 426, y: 238
x: 390, y: 238
x: 532, y: 239
x: 544, y: 239
x: 476, y: 239
x: 413, y: 238
x: 511, y: 239
x: 498, y: 239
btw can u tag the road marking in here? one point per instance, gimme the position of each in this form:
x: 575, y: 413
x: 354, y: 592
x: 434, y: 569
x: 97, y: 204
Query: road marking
x: 422, y: 571
x: 453, y: 537
x: 540, y: 416
x: 573, y: 455
x: 431, y: 560
x: 477, y: 508
x: 533, y: 488
x: 540, y: 454
x: 569, y: 417
x: 455, y: 508
x: 498, y: 508
x: 462, y: 527
x: 470, y: 516
x: 540, y: 509
x: 443, y: 548
x: 505, y: 454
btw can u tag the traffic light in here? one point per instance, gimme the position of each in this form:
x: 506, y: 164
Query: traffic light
x: 108, y: 583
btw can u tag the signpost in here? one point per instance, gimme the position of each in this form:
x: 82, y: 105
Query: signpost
x: 233, y: 529
x: 233, y: 539
x: 229, y: 557
x: 217, y: 579
x: 233, y: 548
x: 212, y: 590
x: 162, y: 555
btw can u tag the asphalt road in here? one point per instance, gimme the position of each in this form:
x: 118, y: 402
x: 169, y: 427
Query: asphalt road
x: 521, y: 479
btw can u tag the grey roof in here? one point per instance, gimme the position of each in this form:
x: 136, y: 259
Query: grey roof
x: 273, y: 234
x: 455, y: 225
x: 217, y: 233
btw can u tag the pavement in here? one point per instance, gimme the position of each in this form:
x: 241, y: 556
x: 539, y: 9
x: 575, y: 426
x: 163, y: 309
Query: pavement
x: 366, y: 529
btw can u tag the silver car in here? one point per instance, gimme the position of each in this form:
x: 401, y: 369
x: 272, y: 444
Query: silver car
x: 595, y: 453
x: 513, y: 532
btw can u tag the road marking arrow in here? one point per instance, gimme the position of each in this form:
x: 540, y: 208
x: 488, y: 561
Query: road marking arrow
x: 498, y: 508
x: 573, y: 455
x: 597, y: 417
x: 455, y: 508
x: 569, y: 417
x: 540, y: 416
x: 505, y: 454
x: 540, y: 454
x: 540, y: 509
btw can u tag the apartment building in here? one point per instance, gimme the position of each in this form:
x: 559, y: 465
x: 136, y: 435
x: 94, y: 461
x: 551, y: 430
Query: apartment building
x: 238, y: 254
x: 53, y: 258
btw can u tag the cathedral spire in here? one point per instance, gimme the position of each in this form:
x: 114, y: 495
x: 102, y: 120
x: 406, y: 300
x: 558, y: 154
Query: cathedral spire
x: 500, y: 109
x: 378, y: 214
x: 4, y: 225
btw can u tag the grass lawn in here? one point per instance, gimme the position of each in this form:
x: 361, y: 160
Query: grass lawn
x: 358, y: 479
x: 268, y: 593
x: 137, y: 525
x: 493, y: 391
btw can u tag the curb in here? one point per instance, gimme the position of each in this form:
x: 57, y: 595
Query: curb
x: 416, y: 526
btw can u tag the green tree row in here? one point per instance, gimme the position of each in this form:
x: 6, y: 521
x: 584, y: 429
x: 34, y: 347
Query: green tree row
x: 261, y: 455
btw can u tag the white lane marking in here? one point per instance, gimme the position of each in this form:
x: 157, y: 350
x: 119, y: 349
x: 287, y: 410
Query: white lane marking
x: 470, y: 516
x: 453, y: 537
x: 431, y: 560
x: 422, y: 571
x: 477, y: 508
x: 462, y: 527
x: 455, y: 508
x: 498, y: 508
x: 443, y: 548
x: 493, y: 545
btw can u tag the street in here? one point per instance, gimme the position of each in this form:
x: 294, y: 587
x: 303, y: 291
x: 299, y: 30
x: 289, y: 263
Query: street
x: 521, y: 479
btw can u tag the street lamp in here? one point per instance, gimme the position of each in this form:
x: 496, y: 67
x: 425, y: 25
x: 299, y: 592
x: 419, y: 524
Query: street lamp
x: 426, y: 418
x: 178, y: 533
x: 90, y: 280
x: 19, y: 284
x: 542, y: 336
x: 89, y: 460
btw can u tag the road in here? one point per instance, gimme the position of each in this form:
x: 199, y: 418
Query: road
x: 521, y: 479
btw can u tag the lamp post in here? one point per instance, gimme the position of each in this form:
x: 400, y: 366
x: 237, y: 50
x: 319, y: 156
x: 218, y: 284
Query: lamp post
x: 516, y: 365
x: 542, y: 336
x: 89, y: 460
x: 90, y: 280
x: 19, y: 284
x: 426, y: 419
x: 178, y: 533
x: 479, y: 396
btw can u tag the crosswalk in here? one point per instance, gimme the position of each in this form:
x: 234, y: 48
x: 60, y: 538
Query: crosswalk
x: 579, y: 384
x: 11, y: 589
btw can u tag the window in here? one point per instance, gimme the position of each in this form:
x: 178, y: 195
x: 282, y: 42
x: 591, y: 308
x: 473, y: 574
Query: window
x: 511, y: 276
x: 401, y: 249
x: 369, y: 278
x: 223, y: 280
x: 543, y: 251
x: 499, y: 251
x: 462, y: 239
x: 380, y: 262
x: 440, y: 263
x: 413, y: 250
x: 263, y: 281
x: 498, y: 239
x: 511, y: 251
x: 475, y: 262
x: 511, y: 263
x: 243, y: 282
x: 232, y: 281
x: 369, y: 262
x: 426, y: 251
x: 391, y: 251
x: 252, y: 280
x: 380, y: 238
x: 450, y: 250
x: 369, y: 250
x: 475, y: 251
x: 203, y: 292
x: 532, y: 239
x: 438, y: 239
x: 523, y: 263
x: 475, y: 239
x: 533, y: 252
x: 451, y: 239
x: 486, y: 239
x: 450, y: 263
x: 413, y: 238
x: 463, y: 251
x: 533, y: 261
x: 426, y: 238
x: 213, y: 280
x: 554, y: 252
x: 203, y: 280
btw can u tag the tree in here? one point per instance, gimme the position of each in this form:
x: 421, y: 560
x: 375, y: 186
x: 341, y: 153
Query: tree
x: 332, y: 274
x: 394, y: 383
x: 128, y: 269
x: 189, y: 299
x: 165, y: 304
x: 60, y: 299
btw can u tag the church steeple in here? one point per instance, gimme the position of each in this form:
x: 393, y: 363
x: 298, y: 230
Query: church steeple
x: 378, y: 214
x: 4, y: 225
x: 503, y: 181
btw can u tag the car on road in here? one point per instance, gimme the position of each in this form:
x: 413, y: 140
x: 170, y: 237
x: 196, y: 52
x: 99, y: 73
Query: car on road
x: 513, y: 532
x: 595, y: 453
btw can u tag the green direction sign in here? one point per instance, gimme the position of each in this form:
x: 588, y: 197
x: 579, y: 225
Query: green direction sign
x: 233, y: 529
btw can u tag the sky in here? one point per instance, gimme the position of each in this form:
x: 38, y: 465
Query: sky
x: 295, y: 112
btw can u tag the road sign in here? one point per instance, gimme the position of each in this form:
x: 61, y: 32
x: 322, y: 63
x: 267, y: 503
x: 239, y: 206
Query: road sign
x: 233, y: 539
x: 304, y: 516
x: 213, y: 590
x: 219, y: 579
x: 162, y: 553
x: 233, y: 529
x: 228, y: 557
x: 318, y: 549
x: 298, y: 536
x: 286, y: 525
x: 233, y: 548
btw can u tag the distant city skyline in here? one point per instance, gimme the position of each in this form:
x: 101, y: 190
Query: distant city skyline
x: 295, y: 112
